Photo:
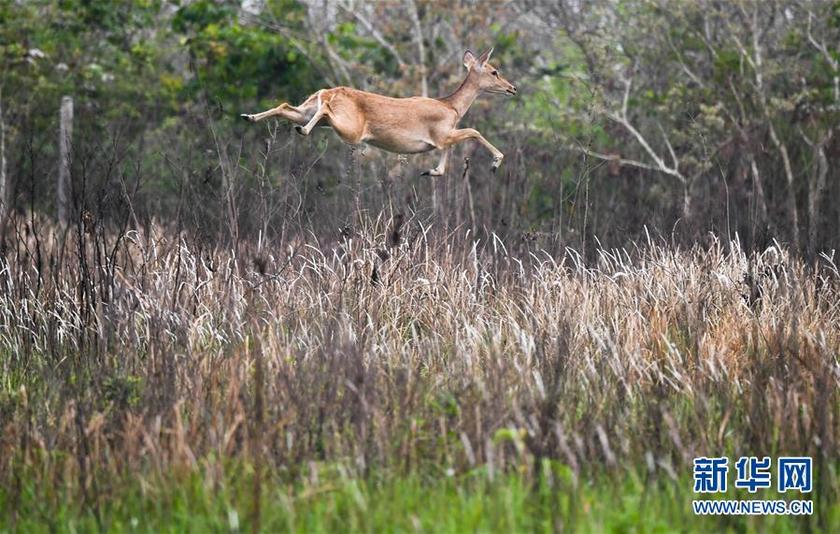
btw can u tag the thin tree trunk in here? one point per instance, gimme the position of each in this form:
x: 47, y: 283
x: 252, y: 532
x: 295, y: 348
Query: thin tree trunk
x: 466, y: 179
x: 421, y: 48
x: 757, y: 63
x: 791, y: 197
x: 815, y: 191
x: 758, y: 187
x: 65, y: 136
x: 3, y: 179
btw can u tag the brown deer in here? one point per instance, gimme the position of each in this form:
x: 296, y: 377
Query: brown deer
x: 402, y: 125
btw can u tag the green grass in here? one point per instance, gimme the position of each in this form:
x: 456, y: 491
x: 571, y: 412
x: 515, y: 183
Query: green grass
x: 332, y: 501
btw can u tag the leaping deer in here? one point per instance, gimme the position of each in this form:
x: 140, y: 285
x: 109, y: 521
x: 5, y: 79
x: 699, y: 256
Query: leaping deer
x: 402, y: 125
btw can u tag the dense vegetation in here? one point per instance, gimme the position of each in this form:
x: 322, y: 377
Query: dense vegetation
x: 284, y: 377
x: 678, y: 117
x: 236, y: 327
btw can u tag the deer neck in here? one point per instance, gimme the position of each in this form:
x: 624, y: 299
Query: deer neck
x: 465, y: 95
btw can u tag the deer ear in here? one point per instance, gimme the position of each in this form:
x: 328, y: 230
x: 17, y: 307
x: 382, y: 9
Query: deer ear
x: 469, y: 59
x: 485, y: 57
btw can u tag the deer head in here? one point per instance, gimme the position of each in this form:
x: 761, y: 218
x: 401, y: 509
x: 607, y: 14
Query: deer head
x: 489, y: 78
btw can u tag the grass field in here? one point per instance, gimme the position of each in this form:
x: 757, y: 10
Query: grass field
x: 193, y: 501
x: 403, y: 379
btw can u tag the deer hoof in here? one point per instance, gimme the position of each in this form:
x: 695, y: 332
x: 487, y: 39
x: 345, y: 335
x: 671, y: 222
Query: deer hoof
x: 249, y: 118
x: 299, y: 129
x: 432, y: 173
x: 497, y: 162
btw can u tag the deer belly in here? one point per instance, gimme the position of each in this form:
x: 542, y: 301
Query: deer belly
x: 400, y: 142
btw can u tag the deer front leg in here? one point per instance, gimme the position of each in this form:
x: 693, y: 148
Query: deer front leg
x: 456, y: 136
x: 441, y: 167
x: 286, y: 111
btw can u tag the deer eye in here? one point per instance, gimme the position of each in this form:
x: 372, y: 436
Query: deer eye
x: 495, y: 73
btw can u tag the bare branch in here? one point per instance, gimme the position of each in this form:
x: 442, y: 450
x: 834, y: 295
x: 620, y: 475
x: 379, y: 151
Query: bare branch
x: 660, y: 163
x: 627, y: 83
x: 336, y: 61
x: 297, y: 43
x: 670, y: 148
x: 612, y: 157
x: 820, y: 46
x: 376, y: 34
x: 738, y: 100
x: 682, y: 63
x: 624, y: 121
x: 835, y: 65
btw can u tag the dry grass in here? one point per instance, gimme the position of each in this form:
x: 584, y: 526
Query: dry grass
x: 147, y: 354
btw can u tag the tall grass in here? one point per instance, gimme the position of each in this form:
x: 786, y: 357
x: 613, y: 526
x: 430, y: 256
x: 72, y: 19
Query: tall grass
x: 401, y: 350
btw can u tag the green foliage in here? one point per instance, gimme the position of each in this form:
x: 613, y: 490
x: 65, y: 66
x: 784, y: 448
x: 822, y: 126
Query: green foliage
x: 233, y: 65
x: 123, y: 391
x: 90, y: 50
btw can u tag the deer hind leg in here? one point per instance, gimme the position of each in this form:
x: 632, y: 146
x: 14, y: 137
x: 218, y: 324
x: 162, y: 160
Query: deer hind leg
x: 339, y: 113
x: 286, y: 111
x: 322, y: 110
x: 457, y: 136
x: 306, y: 128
